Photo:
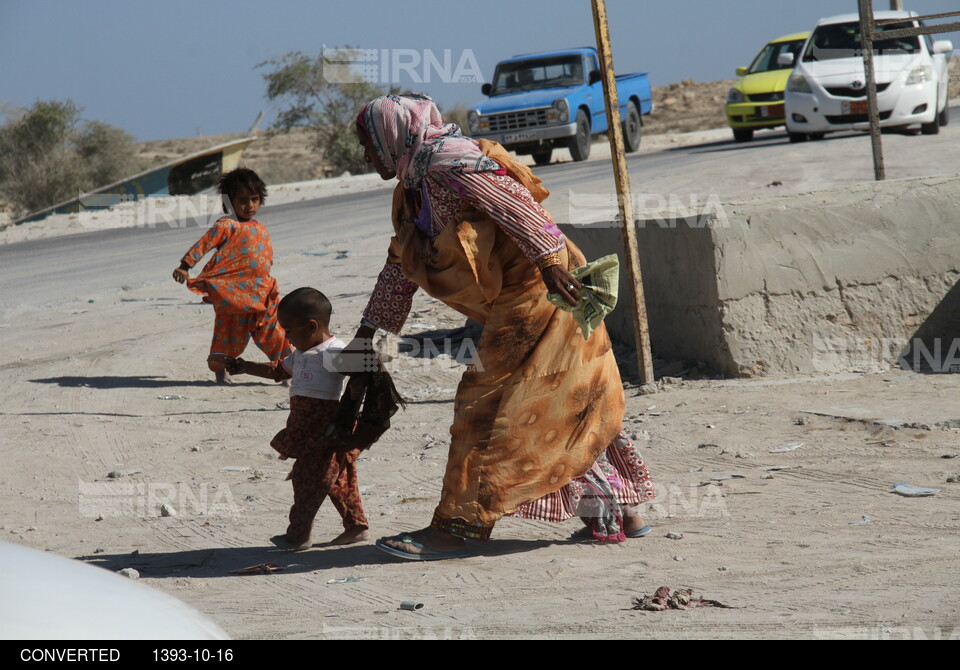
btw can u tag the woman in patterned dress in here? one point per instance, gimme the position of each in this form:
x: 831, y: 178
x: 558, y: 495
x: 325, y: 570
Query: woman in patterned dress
x: 537, y: 420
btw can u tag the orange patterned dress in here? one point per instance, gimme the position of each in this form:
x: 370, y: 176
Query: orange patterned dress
x: 237, y: 282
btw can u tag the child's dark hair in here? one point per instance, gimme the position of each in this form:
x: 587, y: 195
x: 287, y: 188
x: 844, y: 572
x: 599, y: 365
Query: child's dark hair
x: 231, y: 183
x: 307, y: 303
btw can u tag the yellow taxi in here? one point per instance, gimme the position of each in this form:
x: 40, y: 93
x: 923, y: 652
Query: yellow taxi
x: 756, y: 100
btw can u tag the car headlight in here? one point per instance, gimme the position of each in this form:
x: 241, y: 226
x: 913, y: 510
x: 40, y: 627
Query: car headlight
x: 920, y: 74
x: 473, y: 120
x: 798, y: 84
x: 735, y: 95
x: 563, y: 110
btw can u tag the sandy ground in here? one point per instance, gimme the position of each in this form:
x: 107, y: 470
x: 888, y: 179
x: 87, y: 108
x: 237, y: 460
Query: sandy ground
x: 819, y: 548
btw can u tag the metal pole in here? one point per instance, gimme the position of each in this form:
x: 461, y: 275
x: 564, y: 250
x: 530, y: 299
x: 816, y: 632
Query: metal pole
x: 873, y: 111
x: 615, y: 133
x: 896, y: 5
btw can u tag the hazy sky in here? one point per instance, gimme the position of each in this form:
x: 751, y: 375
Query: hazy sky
x: 173, y: 68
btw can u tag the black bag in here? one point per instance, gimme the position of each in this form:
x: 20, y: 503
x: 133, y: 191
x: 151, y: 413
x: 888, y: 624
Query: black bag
x: 366, y: 406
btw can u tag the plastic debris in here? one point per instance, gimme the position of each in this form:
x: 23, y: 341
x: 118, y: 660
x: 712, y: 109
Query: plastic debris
x: 171, y: 397
x: 790, y: 446
x: 235, y: 468
x: 911, y: 491
x: 680, y: 600
x: 674, y: 536
x: 725, y: 478
x: 950, y: 455
x: 864, y: 520
x: 346, y: 580
x: 341, y: 254
x: 129, y: 573
x: 411, y: 605
x: 775, y: 468
x: 952, y: 479
x: 167, y: 510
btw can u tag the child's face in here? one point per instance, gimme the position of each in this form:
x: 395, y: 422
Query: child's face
x: 246, y: 204
x: 303, y: 333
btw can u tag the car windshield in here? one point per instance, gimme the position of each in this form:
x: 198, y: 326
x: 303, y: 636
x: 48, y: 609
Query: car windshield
x: 842, y: 40
x: 537, y: 73
x: 766, y: 60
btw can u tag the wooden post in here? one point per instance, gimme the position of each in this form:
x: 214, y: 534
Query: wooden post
x: 873, y: 110
x: 615, y: 133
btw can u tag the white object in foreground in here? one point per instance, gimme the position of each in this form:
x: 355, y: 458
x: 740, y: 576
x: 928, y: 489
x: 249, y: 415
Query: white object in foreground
x: 49, y: 597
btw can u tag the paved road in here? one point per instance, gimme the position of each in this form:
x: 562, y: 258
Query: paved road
x: 68, y: 268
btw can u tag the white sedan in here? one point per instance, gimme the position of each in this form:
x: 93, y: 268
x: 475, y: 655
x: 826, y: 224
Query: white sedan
x: 827, y: 91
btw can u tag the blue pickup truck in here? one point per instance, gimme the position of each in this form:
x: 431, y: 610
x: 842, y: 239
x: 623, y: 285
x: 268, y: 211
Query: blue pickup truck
x: 555, y: 99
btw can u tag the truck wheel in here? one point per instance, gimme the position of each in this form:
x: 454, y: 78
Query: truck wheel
x: 632, y: 128
x: 743, y: 135
x: 580, y: 143
x: 543, y: 157
x: 945, y: 114
x: 798, y: 137
x: 932, y: 128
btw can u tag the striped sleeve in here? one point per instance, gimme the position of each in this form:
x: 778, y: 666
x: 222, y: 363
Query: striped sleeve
x: 509, y: 203
x: 391, y: 299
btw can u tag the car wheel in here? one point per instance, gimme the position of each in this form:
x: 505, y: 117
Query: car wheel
x: 945, y: 114
x: 932, y: 128
x: 632, y: 128
x: 743, y: 135
x: 798, y: 137
x: 580, y: 143
x: 543, y: 157
x: 817, y: 136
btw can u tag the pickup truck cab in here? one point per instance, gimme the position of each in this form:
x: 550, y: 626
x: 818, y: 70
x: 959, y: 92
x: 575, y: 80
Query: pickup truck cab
x: 555, y: 99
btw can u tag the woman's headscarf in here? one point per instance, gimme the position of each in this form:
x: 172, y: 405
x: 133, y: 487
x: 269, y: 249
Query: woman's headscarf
x: 410, y: 138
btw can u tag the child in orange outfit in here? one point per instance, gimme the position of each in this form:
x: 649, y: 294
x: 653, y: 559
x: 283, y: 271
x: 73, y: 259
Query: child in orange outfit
x: 315, y: 388
x: 237, y: 281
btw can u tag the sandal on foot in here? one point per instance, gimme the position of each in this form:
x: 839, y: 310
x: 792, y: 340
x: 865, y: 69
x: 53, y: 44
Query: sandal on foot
x: 426, y: 553
x: 586, y: 535
x: 640, y: 532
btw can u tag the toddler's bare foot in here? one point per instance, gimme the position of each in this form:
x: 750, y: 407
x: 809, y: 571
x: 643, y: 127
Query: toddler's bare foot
x: 351, y: 536
x: 284, y: 542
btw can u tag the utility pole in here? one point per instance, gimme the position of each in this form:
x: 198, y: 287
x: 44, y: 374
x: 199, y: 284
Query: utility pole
x: 896, y: 5
x: 630, y: 252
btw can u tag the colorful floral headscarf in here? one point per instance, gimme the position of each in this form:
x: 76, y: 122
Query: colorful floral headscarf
x: 410, y: 138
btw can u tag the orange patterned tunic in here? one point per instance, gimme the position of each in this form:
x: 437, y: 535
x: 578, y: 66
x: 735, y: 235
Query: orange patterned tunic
x: 237, y: 279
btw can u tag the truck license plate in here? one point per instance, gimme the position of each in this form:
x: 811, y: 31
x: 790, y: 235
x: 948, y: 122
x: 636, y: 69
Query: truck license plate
x: 518, y: 137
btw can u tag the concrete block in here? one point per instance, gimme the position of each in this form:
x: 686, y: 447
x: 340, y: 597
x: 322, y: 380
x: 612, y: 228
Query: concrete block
x: 829, y: 281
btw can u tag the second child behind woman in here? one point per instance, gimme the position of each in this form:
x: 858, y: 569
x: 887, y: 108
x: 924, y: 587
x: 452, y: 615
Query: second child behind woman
x: 315, y: 388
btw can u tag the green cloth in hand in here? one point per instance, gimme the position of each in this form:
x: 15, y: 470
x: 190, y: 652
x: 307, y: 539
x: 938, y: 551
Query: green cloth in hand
x: 600, y: 281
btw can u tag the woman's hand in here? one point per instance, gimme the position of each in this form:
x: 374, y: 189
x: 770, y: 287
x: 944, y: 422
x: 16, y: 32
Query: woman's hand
x: 359, y: 355
x: 561, y: 282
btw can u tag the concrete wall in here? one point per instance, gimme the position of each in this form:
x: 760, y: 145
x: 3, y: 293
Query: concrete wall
x: 817, y: 282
